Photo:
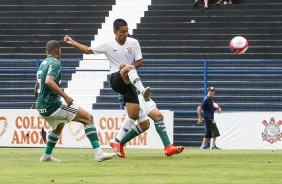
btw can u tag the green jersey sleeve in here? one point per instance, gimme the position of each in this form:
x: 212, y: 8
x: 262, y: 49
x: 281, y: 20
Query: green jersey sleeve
x: 54, y: 69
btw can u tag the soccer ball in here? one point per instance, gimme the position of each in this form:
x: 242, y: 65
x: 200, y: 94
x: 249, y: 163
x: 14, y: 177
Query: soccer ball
x: 238, y: 45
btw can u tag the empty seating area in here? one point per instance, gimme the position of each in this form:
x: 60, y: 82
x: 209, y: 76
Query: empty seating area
x: 174, y: 50
x: 166, y: 30
x: 26, y: 26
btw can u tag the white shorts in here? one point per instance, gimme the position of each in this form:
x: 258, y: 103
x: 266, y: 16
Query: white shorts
x: 63, y: 114
x: 145, y: 108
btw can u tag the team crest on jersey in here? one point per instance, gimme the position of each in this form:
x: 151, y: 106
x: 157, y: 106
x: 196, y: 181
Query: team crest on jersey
x: 272, y: 132
x: 129, y: 50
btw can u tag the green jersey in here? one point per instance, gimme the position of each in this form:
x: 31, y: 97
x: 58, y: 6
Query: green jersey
x: 47, y: 100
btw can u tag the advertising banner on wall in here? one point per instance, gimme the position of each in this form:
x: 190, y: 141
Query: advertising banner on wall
x: 26, y: 128
x: 249, y: 130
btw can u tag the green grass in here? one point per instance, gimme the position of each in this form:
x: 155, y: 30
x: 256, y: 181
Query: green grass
x: 21, y: 165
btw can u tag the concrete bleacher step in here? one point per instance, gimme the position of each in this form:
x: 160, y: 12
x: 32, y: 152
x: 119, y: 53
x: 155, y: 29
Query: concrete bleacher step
x: 213, y: 1
x: 201, y: 18
x: 19, y: 105
x: 214, y: 12
x: 203, y: 36
x: 48, y: 2
x: 189, y: 6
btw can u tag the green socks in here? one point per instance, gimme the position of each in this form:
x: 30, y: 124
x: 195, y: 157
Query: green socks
x: 160, y: 127
x: 135, y: 131
x: 52, y: 141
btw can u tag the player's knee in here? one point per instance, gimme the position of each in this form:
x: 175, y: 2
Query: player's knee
x: 160, y: 116
x: 89, y: 119
x: 145, y: 125
x: 59, y: 129
x: 130, y: 67
x: 134, y: 115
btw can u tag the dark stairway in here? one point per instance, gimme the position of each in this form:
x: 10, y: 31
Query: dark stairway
x: 25, y: 28
x: 166, y: 30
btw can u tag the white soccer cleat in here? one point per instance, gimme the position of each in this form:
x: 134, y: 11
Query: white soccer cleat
x: 45, y: 158
x: 146, y: 93
x: 104, y: 156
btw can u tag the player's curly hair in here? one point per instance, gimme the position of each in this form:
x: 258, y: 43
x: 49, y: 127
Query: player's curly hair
x: 118, y: 23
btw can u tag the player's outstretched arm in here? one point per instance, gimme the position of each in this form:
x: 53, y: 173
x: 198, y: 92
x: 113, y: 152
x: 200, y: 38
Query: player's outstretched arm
x: 83, y: 48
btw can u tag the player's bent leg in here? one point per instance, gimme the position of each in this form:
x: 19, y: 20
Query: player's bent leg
x: 83, y: 116
x: 133, y: 110
x: 51, y: 143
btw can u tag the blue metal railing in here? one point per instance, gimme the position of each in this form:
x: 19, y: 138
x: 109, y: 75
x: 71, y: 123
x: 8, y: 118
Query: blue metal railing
x: 204, y: 68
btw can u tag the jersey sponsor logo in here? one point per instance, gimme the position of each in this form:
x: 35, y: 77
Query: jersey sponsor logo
x: 42, y: 110
x: 272, y: 132
x: 115, y: 50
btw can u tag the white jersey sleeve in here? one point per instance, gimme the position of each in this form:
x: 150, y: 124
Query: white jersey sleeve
x: 137, y: 49
x: 118, y: 54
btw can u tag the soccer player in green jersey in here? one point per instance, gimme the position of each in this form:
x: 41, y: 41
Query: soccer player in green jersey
x: 52, y: 109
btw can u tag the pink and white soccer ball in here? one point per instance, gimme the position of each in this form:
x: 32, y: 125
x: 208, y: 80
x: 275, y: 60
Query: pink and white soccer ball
x: 239, y: 45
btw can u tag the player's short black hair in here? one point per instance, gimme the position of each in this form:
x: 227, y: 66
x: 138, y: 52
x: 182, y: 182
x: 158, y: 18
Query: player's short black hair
x: 52, y: 45
x: 118, y: 23
x: 211, y: 89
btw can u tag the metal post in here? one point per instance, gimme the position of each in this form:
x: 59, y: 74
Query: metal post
x: 205, y: 77
x: 37, y: 64
x: 120, y: 101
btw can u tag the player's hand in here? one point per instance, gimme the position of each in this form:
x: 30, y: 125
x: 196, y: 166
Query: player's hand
x: 69, y: 100
x: 68, y: 39
x: 219, y: 110
x: 200, y: 122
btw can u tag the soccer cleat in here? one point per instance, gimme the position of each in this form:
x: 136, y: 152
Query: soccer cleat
x: 215, y: 147
x: 171, y: 150
x: 104, y: 156
x: 146, y: 93
x: 118, y: 148
x: 45, y: 158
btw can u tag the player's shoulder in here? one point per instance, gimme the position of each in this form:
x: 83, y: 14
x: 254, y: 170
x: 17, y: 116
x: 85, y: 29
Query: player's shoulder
x: 132, y: 40
x: 54, y: 62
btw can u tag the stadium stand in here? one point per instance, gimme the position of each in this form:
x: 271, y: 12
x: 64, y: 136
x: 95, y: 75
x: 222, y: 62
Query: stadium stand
x: 169, y: 41
x: 26, y: 26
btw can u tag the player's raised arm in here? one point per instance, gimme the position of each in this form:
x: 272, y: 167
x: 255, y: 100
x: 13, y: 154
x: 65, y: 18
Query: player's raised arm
x: 83, y: 48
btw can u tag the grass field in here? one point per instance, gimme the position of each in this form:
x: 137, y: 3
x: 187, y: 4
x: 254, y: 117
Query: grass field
x: 21, y: 165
